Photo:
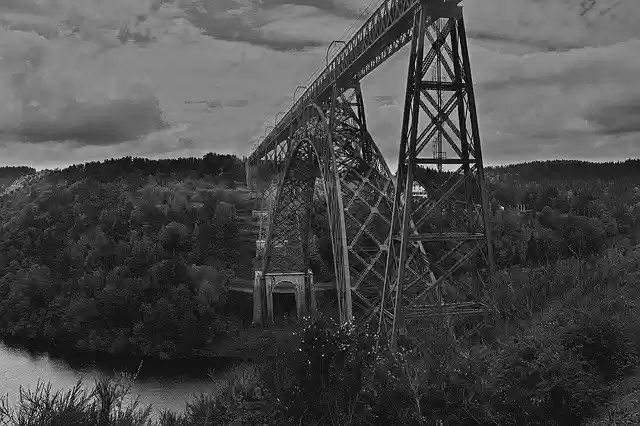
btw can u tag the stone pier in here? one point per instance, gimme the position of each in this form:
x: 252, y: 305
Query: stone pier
x: 301, y: 284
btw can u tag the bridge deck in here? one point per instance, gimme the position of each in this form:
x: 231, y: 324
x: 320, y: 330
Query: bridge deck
x: 387, y: 30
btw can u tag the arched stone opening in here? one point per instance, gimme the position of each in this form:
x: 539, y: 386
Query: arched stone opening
x: 281, y: 290
x: 285, y: 304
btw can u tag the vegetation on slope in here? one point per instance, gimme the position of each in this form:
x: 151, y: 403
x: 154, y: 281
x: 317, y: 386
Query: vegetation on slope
x: 574, y: 208
x: 9, y: 174
x: 559, y: 366
x: 562, y: 336
x: 128, y: 256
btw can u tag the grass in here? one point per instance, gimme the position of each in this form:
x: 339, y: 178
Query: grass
x: 624, y: 409
x: 103, y: 405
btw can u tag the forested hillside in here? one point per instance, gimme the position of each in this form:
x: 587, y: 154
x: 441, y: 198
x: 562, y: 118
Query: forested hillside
x: 135, y: 256
x: 567, y: 209
x: 126, y: 256
x: 8, y: 175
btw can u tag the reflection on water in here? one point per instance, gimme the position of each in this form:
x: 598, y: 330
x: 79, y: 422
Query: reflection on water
x: 164, y: 384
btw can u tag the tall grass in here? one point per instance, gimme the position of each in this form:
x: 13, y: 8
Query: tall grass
x: 103, y: 405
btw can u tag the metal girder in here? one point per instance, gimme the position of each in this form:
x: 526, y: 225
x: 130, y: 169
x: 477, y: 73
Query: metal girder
x: 448, y: 210
x: 311, y: 155
x: 357, y: 188
x: 367, y: 191
x: 400, y: 250
x: 387, y: 30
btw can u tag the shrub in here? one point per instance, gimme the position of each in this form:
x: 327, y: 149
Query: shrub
x: 536, y: 381
x: 393, y: 394
x: 602, y: 343
x: 77, y: 406
x: 237, y: 401
x: 324, y: 376
x: 334, y: 376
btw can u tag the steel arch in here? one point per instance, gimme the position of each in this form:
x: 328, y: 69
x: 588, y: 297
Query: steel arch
x: 359, y: 193
x: 292, y: 205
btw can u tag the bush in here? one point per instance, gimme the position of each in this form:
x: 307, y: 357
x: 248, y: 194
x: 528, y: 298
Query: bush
x: 602, y: 343
x: 325, y: 374
x: 536, y: 381
x: 78, y: 406
x: 334, y: 376
x: 239, y: 400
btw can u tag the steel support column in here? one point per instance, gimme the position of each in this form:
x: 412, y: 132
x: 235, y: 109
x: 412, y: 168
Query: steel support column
x: 445, y: 210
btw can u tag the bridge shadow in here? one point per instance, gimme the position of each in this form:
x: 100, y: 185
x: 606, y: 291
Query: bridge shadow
x: 284, y: 309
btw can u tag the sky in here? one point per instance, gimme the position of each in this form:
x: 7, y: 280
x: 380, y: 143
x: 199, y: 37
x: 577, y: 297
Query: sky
x: 85, y: 80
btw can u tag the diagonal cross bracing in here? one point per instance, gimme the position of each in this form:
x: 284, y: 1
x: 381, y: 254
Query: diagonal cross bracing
x: 401, y: 247
x: 387, y: 30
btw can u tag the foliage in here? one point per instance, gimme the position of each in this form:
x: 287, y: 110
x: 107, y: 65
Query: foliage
x: 103, y: 405
x: 558, y: 364
x: 536, y: 381
x: 106, y: 257
x: 102, y: 262
x: 324, y: 376
x: 14, y: 172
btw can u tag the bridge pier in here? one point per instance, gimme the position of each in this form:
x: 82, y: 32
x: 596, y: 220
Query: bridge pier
x: 249, y: 174
x: 301, y: 284
x: 257, y: 298
x: 389, y: 235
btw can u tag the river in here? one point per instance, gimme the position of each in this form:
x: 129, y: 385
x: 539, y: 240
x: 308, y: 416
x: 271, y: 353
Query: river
x: 165, y: 385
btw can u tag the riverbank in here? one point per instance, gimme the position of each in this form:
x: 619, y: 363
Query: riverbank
x: 170, y: 387
x: 241, y: 345
x: 246, y: 344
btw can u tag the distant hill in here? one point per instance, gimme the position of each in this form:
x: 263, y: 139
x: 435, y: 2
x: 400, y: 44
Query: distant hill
x: 218, y: 168
x: 539, y: 171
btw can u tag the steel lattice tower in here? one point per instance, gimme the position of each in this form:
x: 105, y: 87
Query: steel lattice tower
x: 437, y: 109
x: 403, y: 248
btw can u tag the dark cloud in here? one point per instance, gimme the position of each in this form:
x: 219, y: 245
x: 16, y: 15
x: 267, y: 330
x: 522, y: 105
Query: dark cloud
x: 216, y: 20
x: 231, y: 103
x: 82, y: 23
x: 19, y: 6
x: 552, y: 25
x: 621, y: 117
x: 537, y: 44
x: 43, y: 29
x: 236, y: 103
x: 108, y: 124
x: 333, y: 7
x: 385, y: 101
x: 137, y: 35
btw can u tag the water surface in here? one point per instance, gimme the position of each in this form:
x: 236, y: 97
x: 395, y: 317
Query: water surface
x: 165, y: 385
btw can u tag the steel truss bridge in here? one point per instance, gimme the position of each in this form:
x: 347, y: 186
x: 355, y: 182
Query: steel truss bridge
x: 404, y: 246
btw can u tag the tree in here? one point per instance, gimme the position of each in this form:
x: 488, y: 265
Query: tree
x: 175, y: 238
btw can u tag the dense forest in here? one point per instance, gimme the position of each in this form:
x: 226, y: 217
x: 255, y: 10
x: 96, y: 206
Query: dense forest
x: 135, y: 256
x: 567, y: 208
x: 125, y: 256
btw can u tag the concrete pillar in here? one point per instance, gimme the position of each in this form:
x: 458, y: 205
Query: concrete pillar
x: 301, y: 297
x: 270, y: 284
x: 248, y: 170
x: 307, y: 293
x: 257, y: 298
x: 311, y: 294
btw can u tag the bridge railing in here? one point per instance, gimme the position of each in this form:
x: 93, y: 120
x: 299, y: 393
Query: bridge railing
x: 386, y: 16
x: 389, y: 15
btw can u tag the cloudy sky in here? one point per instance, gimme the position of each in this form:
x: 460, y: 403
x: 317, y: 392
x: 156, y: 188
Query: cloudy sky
x: 90, y: 79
